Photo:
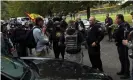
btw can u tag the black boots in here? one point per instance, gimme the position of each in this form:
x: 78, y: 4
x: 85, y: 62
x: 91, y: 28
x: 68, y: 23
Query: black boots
x: 125, y: 76
x: 120, y: 73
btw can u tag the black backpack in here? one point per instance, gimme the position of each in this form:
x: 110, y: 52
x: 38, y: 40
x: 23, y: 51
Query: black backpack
x: 30, y: 41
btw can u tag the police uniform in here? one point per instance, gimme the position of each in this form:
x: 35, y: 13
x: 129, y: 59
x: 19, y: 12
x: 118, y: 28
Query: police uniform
x: 122, y: 49
x: 95, y: 34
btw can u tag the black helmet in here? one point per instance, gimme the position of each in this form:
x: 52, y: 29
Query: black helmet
x: 56, y: 19
x: 70, y: 30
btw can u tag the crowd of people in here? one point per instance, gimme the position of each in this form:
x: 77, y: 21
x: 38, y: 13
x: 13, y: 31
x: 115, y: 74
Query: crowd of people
x: 67, y: 39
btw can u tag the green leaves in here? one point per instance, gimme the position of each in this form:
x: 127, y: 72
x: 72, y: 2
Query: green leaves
x: 18, y: 8
x: 4, y: 11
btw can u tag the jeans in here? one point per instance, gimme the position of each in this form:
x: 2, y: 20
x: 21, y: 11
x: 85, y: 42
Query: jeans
x: 78, y: 57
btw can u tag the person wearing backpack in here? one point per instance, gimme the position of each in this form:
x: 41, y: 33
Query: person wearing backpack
x: 19, y: 40
x: 73, y: 40
x: 40, y: 39
x: 63, y: 23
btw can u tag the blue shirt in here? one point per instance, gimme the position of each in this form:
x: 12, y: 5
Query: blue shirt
x: 40, y: 39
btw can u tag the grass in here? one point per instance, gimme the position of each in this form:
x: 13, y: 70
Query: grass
x: 101, y: 17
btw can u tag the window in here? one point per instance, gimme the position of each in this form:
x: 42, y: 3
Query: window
x: 84, y: 21
x: 12, y: 67
x: 25, y: 19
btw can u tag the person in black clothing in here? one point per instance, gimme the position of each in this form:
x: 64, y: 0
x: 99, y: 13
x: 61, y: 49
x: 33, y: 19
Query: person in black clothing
x: 55, y: 37
x: 6, y: 46
x: 94, y: 37
x: 11, y: 31
x: 129, y: 44
x: 19, y: 39
x: 119, y: 35
x: 57, y: 18
x: 79, y: 25
x: 71, y: 15
x: 28, y: 27
x: 49, y: 26
x: 31, y: 26
x: 63, y: 23
x: 108, y: 23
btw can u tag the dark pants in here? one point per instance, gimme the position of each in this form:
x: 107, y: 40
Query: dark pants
x: 124, y: 60
x: 22, y: 50
x: 94, y: 55
x: 132, y: 72
x: 58, y: 49
x: 110, y: 33
x: 30, y: 50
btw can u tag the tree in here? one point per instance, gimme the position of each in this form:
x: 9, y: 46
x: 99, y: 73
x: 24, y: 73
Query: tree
x: 18, y: 8
x: 4, y: 11
x: 126, y: 5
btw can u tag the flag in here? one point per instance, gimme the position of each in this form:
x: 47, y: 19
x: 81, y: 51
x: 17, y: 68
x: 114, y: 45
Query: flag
x: 33, y: 16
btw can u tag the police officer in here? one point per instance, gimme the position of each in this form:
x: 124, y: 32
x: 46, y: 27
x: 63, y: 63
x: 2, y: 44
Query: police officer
x: 94, y: 37
x: 129, y: 44
x: 120, y: 34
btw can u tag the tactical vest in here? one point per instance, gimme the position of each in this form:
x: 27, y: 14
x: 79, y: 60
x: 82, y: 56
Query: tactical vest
x: 71, y: 42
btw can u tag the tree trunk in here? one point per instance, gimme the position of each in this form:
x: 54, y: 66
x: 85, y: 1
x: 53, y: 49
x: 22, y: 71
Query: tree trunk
x: 124, y: 10
x: 50, y: 12
x: 88, y: 12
